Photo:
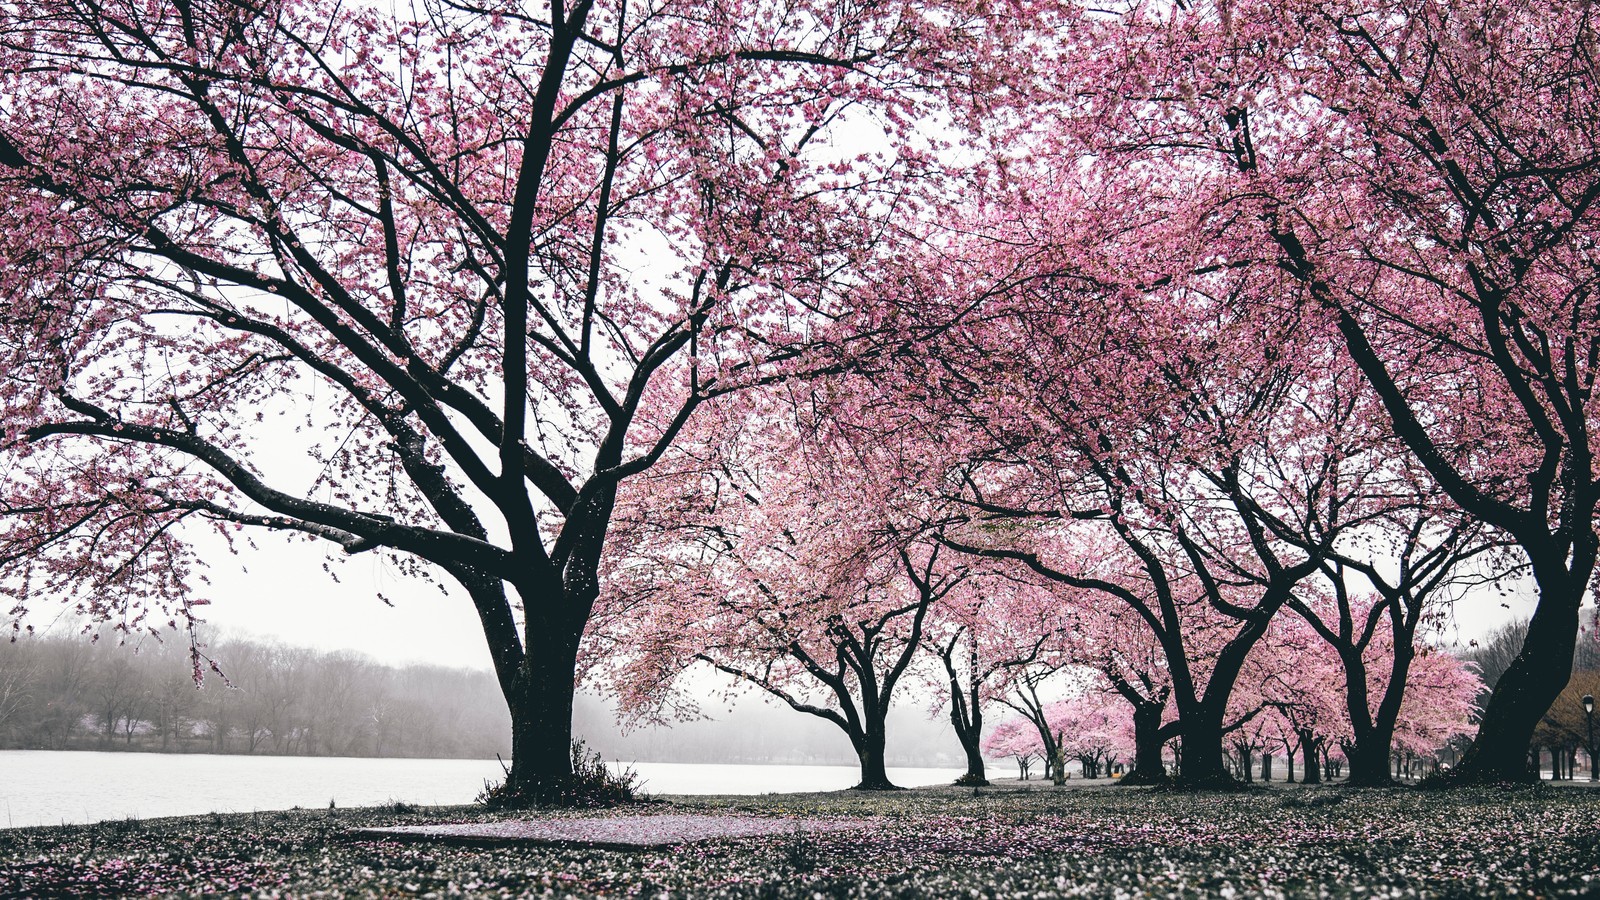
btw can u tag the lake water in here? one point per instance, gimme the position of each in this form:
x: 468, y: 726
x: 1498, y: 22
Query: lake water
x: 41, y: 787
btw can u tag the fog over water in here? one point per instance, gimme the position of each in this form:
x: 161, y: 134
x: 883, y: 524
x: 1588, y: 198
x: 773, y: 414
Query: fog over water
x: 53, y: 787
x: 60, y: 691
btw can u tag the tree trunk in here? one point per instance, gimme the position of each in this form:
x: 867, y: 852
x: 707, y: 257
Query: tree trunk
x: 1204, y: 765
x: 1047, y: 739
x: 870, y: 750
x: 1372, y: 736
x: 1147, y: 744
x: 976, y: 776
x: 540, y: 700
x: 1369, y: 762
x: 1534, y: 679
x: 1266, y: 766
x: 1308, y: 748
x: 966, y: 711
x: 969, y: 730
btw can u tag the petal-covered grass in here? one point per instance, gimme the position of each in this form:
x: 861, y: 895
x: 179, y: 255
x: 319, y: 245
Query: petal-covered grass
x: 993, y: 842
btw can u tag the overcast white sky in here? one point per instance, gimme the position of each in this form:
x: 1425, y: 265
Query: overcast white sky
x: 286, y: 594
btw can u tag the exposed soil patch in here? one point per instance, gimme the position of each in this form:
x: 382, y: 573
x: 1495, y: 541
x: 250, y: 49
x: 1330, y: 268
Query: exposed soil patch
x: 611, y: 833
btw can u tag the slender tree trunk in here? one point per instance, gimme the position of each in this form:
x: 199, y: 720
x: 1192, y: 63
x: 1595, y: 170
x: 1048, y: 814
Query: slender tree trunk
x: 966, y: 719
x: 1047, y: 740
x: 1266, y: 766
x: 976, y: 776
x: 966, y: 709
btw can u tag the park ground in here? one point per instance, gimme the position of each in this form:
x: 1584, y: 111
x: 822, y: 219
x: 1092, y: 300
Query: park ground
x: 1005, y: 841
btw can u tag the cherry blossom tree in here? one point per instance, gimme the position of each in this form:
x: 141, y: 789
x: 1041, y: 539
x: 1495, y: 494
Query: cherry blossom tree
x: 1298, y: 685
x: 1439, y: 703
x: 1091, y: 726
x: 1030, y: 689
x: 1016, y: 738
x: 773, y: 549
x: 491, y: 255
x: 1095, y: 728
x: 1300, y: 681
x: 1121, y: 648
x: 1445, y: 237
x: 989, y: 634
x: 1382, y: 628
x: 1114, y: 425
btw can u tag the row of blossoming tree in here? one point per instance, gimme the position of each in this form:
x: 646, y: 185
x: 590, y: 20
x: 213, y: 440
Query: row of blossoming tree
x: 786, y: 338
x: 812, y: 552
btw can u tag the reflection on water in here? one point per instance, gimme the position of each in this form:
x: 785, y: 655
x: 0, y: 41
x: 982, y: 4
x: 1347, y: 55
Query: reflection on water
x: 42, y: 787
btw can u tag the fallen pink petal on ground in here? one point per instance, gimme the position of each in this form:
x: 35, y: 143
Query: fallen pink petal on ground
x: 622, y: 833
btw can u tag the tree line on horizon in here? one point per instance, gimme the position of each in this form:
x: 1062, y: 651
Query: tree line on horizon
x: 64, y: 692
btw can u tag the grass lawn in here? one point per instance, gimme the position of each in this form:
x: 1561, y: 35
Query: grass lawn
x: 995, y: 842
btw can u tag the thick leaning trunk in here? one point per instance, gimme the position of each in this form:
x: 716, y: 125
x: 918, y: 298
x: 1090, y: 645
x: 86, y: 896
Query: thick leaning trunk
x: 1525, y: 692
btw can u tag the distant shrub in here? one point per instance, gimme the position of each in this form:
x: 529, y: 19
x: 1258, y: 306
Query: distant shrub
x: 592, y: 786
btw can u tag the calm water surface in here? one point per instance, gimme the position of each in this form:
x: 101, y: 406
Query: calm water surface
x: 42, y: 787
